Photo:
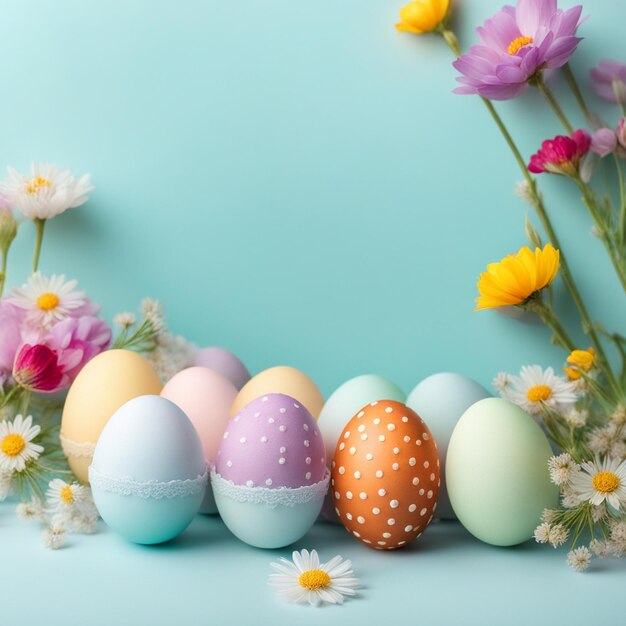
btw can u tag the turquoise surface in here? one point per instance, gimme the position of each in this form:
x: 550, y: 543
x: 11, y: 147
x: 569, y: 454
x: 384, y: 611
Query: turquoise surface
x: 296, y: 183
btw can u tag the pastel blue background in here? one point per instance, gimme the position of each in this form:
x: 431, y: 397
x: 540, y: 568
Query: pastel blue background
x: 295, y: 182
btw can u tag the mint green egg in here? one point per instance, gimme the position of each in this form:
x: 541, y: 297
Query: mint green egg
x: 497, y: 473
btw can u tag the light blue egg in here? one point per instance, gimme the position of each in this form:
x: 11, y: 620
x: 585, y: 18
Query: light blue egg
x: 343, y: 404
x: 148, y: 474
x: 440, y: 400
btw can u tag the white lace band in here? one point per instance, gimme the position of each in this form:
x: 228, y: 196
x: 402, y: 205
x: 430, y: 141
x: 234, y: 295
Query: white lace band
x: 126, y: 486
x: 77, y: 449
x: 282, y: 496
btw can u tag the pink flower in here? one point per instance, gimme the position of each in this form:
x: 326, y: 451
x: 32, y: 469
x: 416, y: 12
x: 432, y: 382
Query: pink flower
x: 10, y: 338
x: 609, y: 81
x: 603, y: 141
x: 516, y: 44
x: 76, y: 341
x: 561, y: 155
x: 37, y: 368
x: 621, y: 133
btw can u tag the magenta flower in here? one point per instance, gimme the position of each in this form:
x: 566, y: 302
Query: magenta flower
x: 561, y: 155
x: 516, y: 44
x: 609, y: 81
x: 11, y: 319
x: 77, y: 341
x: 36, y: 368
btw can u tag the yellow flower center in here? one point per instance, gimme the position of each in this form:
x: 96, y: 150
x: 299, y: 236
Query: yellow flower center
x: 539, y: 393
x: 48, y: 301
x: 517, y: 43
x: 314, y: 579
x: 67, y: 495
x: 606, y: 482
x: 13, y: 444
x: 36, y: 183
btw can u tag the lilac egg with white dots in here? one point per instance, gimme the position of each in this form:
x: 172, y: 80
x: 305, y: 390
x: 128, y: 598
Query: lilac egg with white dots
x: 273, y: 442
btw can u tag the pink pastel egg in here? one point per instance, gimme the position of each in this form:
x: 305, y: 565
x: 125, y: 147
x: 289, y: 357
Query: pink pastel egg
x: 272, y: 442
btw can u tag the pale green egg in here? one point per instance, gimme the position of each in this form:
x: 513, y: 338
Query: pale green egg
x: 497, y: 473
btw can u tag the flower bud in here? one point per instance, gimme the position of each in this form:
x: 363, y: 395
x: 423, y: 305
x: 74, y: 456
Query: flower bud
x: 423, y: 16
x: 621, y: 133
x: 36, y: 368
x: 603, y: 141
x: 8, y: 228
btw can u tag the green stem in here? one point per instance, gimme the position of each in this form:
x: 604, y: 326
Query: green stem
x: 591, y: 204
x: 575, y: 89
x: 3, y: 271
x: 622, y: 201
x: 558, y: 111
x: 544, y: 218
x: 40, y: 224
x: 24, y: 402
x: 546, y: 313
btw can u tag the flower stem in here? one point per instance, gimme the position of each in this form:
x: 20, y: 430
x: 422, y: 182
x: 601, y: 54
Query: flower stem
x: 39, y: 225
x: 592, y: 205
x: 575, y: 89
x: 3, y: 271
x: 544, y: 218
x: 622, y: 202
x: 546, y: 313
x: 552, y: 101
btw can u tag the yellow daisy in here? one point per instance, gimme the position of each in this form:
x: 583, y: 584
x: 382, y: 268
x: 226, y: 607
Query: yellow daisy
x: 422, y: 16
x: 580, y: 361
x: 517, y: 277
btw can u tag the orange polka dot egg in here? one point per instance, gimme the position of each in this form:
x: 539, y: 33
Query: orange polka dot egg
x: 385, y: 475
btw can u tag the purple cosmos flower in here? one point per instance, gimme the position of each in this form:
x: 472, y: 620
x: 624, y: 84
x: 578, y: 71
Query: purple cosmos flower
x: 603, y: 141
x: 609, y: 81
x: 516, y: 44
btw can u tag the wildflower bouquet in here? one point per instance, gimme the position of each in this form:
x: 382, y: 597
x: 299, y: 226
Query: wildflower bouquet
x: 49, y: 329
x: 583, y: 411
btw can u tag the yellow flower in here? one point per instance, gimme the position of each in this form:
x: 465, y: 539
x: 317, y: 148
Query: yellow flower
x: 517, y: 277
x: 423, y: 16
x: 582, y: 361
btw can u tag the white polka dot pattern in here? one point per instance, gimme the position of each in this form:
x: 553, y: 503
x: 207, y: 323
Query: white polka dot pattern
x: 385, y: 475
x: 272, y: 442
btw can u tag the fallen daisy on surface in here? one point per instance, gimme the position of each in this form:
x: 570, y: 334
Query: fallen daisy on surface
x: 306, y: 580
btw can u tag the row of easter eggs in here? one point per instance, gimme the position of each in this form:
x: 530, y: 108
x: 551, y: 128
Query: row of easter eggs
x: 272, y: 462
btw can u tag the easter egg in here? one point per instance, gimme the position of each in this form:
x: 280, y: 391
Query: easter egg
x: 225, y: 363
x: 270, y: 476
x: 206, y: 397
x: 148, y: 476
x: 440, y: 400
x: 497, y: 472
x: 385, y: 475
x: 285, y: 380
x: 342, y: 404
x: 108, y: 381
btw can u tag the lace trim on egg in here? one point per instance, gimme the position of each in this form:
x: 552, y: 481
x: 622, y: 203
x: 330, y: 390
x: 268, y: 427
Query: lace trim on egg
x: 282, y: 496
x: 77, y: 449
x: 126, y: 486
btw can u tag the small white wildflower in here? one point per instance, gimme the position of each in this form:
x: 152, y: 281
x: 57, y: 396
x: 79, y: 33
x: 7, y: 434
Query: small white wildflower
x: 124, y: 320
x: 569, y: 498
x: 577, y: 418
x: 618, y: 530
x: 6, y: 483
x: 579, y: 559
x: 618, y: 417
x: 501, y: 382
x: 524, y: 191
x: 562, y: 468
x: 599, y: 513
x: 172, y: 354
x: 599, y: 548
x: 549, y: 515
x: 153, y: 312
x: 600, y: 440
x: 542, y: 533
x: 32, y: 510
x: 618, y: 449
x: 558, y: 535
x: 596, y: 232
x: 54, y: 537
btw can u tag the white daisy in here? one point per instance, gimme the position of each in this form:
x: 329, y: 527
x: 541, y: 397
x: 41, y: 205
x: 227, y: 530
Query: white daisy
x: 46, y: 192
x: 579, y: 558
x: 501, y: 382
x: 16, y: 446
x: 598, y: 482
x: 536, y: 389
x: 54, y: 537
x: 47, y: 299
x: 562, y: 468
x: 62, y: 496
x: 306, y: 580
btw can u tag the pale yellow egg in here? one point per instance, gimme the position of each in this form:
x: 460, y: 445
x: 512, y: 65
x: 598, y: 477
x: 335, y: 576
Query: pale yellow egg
x: 107, y: 382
